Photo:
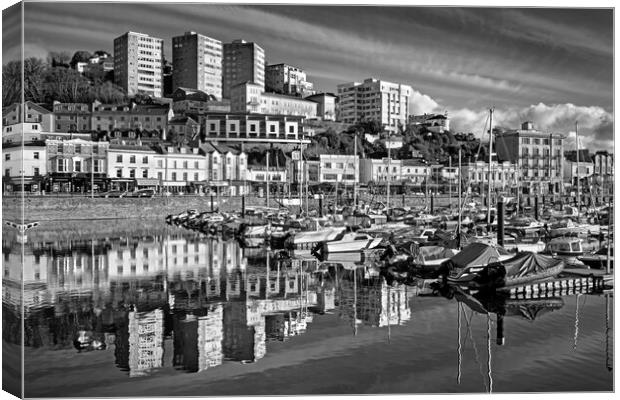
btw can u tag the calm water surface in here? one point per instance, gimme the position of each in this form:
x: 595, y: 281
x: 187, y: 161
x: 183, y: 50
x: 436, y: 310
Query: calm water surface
x: 183, y: 314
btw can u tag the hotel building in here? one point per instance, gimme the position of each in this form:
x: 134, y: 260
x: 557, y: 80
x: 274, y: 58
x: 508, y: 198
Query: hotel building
x: 538, y: 156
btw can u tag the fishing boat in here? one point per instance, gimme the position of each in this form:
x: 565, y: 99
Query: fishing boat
x: 350, y: 242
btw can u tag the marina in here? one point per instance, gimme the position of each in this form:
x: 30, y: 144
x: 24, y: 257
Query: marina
x: 216, y: 311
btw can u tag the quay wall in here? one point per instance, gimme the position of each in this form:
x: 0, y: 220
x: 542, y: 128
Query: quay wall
x: 60, y: 208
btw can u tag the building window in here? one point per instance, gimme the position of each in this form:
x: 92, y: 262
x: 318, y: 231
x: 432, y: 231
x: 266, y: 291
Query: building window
x: 291, y: 129
x: 160, y: 176
x: 78, y: 148
x: 132, y: 173
x: 119, y: 158
x: 7, y: 172
x: 196, y: 177
x: 196, y: 165
x: 119, y: 173
x: 62, y: 165
x: 184, y: 176
x: 212, y: 127
x: 185, y: 164
x: 145, y: 160
x: 77, y: 167
x: 7, y: 157
x: 35, y: 155
x: 160, y: 163
x: 174, y: 176
x: 132, y: 159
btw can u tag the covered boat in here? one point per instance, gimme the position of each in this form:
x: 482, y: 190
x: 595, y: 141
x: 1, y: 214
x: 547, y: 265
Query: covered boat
x: 472, y: 261
x: 523, y: 268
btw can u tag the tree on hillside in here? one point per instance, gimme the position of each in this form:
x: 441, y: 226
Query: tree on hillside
x: 79, y: 56
x: 34, y: 69
x: 99, y: 53
x: 65, y: 85
x: 59, y: 59
x: 108, y: 93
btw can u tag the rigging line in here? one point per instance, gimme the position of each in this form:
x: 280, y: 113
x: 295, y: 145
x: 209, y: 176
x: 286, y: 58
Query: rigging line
x: 460, y: 357
x: 576, y: 336
x: 481, y: 136
x: 477, y: 356
x: 489, y: 353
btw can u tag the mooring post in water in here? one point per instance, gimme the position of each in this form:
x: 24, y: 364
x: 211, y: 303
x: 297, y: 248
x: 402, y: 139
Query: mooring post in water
x: 536, y: 207
x: 500, y: 330
x: 432, y: 203
x: 211, y: 202
x: 320, y: 206
x: 243, y: 206
x: 500, y: 221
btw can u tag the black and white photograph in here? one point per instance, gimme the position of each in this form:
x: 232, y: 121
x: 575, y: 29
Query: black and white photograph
x: 218, y: 199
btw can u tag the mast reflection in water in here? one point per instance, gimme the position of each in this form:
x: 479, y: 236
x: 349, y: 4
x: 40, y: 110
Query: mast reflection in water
x: 171, y: 302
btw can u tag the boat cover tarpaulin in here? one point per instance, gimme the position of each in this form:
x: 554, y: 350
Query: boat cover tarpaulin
x: 528, y: 263
x: 428, y: 253
x: 474, y: 254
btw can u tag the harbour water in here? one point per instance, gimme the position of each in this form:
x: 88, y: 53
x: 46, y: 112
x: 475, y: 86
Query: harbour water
x: 164, y: 311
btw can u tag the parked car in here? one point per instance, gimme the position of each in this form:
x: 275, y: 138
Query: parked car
x: 114, y: 193
x: 143, y: 193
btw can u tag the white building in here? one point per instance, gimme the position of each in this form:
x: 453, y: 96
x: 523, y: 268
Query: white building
x: 128, y: 163
x: 380, y: 170
x: 138, y: 63
x: 249, y: 97
x: 504, y: 175
x: 415, y: 172
x: 34, y: 158
x: 374, y: 100
x: 287, y: 79
x: 339, y: 168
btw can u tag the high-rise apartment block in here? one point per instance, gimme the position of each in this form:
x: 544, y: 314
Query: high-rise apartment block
x: 243, y: 62
x: 197, y: 61
x: 138, y: 63
x: 287, y: 79
x: 377, y: 100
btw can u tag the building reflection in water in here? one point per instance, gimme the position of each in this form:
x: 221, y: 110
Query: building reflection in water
x: 211, y: 299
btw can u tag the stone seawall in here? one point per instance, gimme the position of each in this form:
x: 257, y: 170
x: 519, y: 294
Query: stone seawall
x: 57, y: 208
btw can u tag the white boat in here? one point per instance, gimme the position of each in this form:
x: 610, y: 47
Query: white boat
x: 303, y: 242
x: 351, y: 242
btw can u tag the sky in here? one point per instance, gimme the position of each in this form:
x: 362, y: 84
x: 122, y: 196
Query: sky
x: 550, y: 66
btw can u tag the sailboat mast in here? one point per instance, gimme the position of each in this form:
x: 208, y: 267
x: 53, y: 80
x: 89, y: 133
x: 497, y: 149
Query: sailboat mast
x: 458, y: 230
x: 578, y: 189
x: 355, y: 170
x: 489, y: 170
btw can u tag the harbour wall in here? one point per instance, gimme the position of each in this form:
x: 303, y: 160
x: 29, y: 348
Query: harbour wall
x: 59, y: 208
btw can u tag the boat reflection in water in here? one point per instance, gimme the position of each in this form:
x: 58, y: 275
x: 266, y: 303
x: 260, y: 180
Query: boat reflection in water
x: 212, y: 300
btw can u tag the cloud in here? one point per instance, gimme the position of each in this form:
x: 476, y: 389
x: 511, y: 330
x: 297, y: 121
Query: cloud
x: 420, y: 103
x: 595, y: 124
